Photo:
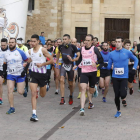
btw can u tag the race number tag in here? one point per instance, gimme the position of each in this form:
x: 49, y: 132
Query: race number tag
x: 12, y: 70
x: 119, y: 71
x: 67, y: 67
x: 87, y: 62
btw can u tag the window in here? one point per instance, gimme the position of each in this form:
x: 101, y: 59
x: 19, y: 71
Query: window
x: 31, y: 5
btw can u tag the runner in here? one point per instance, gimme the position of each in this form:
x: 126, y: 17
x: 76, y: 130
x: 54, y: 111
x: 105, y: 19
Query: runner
x: 15, y: 71
x: 57, y: 68
x: 127, y: 45
x: 3, y: 50
x: 120, y: 58
x: 38, y: 71
x: 88, y: 59
x: 67, y: 50
x: 105, y: 73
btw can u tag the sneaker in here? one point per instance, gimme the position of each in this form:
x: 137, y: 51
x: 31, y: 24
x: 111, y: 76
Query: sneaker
x: 62, y: 101
x: 131, y: 91
x: 96, y: 92
x: 70, y: 100
x: 103, y: 91
x: 56, y: 92
x: 1, y: 102
x: 104, y: 99
x: 124, y: 103
x: 34, y: 118
x: 25, y: 92
x: 82, y: 112
x: 15, y: 89
x: 79, y: 95
x: 118, y: 114
x: 11, y: 110
x: 90, y: 105
x: 134, y: 81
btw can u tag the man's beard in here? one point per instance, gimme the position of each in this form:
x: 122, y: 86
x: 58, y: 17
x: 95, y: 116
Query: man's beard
x: 105, y: 50
x: 12, y: 48
x: 113, y: 45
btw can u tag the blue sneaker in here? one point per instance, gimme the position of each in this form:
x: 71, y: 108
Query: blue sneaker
x: 25, y: 92
x: 1, y: 102
x: 104, y: 99
x: 82, y: 112
x: 34, y: 118
x: 11, y: 110
x: 118, y: 114
x: 96, y: 92
x: 15, y: 89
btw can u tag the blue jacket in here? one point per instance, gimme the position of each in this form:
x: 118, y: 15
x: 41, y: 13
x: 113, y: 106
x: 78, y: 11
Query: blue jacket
x: 120, y: 59
x: 105, y: 58
x: 42, y: 39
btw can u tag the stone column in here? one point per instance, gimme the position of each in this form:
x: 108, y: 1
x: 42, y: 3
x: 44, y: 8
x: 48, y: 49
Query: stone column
x: 67, y: 17
x: 95, y: 25
x: 137, y: 21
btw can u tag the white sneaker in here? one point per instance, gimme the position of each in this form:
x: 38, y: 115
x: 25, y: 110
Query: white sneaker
x: 82, y: 112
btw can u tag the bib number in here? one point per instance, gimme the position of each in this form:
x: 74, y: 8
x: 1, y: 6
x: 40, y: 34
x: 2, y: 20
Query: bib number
x: 87, y: 62
x: 12, y: 70
x: 119, y: 71
x: 67, y: 67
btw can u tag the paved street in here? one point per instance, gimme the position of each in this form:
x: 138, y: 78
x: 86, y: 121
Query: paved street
x: 64, y: 123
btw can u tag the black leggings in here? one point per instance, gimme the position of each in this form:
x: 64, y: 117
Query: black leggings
x: 120, y: 90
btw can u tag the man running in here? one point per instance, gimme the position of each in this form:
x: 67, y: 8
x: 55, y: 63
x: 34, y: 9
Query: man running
x: 105, y: 73
x: 14, y: 59
x: 119, y: 58
x: 67, y: 50
x: 38, y: 75
x: 3, y: 50
x: 88, y: 59
x: 57, y: 68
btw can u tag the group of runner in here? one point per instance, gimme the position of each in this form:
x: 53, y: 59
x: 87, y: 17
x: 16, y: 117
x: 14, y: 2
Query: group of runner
x: 90, y: 63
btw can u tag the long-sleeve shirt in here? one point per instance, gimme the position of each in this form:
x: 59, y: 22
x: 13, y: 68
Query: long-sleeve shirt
x: 119, y: 59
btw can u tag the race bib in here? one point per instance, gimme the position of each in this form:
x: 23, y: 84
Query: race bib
x: 60, y: 60
x: 12, y: 70
x: 67, y: 67
x: 119, y: 71
x: 87, y: 62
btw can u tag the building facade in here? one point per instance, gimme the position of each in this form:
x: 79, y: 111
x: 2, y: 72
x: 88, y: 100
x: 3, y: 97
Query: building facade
x: 104, y: 19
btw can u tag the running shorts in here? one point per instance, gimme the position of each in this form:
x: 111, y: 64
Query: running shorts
x: 17, y: 79
x: 69, y: 73
x: 104, y: 73
x: 38, y: 78
x: 89, y: 78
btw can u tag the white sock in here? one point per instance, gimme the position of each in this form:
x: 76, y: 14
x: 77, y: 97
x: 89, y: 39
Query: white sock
x: 34, y: 112
x: 56, y: 90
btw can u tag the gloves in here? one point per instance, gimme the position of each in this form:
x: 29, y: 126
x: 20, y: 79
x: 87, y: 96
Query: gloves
x: 105, y: 64
x: 4, y: 75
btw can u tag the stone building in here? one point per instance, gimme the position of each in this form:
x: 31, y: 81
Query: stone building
x: 104, y: 19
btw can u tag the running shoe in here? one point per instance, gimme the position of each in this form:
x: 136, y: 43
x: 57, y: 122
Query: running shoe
x: 11, y: 110
x: 15, y: 89
x: 104, y: 99
x: 103, y: 91
x: 96, y: 92
x: 131, y: 91
x: 1, y: 102
x: 70, y: 100
x: 34, y: 118
x: 90, y: 105
x: 56, y: 92
x: 134, y: 81
x: 25, y: 92
x: 124, y: 103
x: 118, y: 114
x: 79, y: 95
x: 62, y: 101
x: 82, y: 112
